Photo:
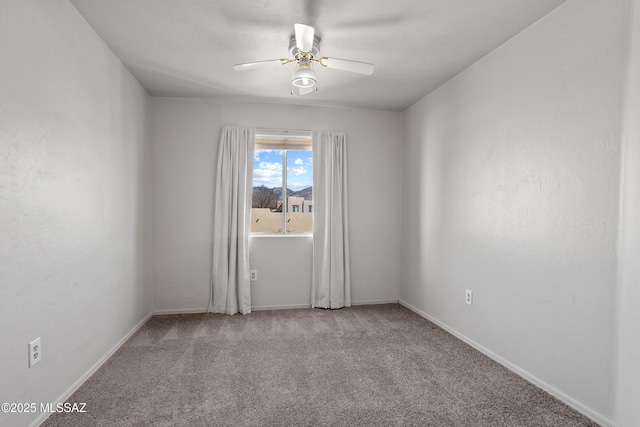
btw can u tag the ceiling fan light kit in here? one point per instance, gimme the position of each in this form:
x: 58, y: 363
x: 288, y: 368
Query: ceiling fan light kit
x: 304, y: 46
x: 304, y: 76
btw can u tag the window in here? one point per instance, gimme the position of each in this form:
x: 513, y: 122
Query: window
x: 282, y: 200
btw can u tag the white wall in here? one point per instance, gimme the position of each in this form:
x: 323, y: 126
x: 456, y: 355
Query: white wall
x: 284, y: 271
x: 628, y: 368
x: 185, y: 145
x: 511, y: 190
x: 73, y: 126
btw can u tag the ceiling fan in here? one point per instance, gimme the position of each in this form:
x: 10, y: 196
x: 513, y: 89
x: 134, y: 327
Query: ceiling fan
x: 304, y: 46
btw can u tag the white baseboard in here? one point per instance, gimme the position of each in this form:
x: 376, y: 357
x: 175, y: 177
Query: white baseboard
x: 76, y: 385
x: 588, y: 412
x: 180, y: 311
x: 375, y: 302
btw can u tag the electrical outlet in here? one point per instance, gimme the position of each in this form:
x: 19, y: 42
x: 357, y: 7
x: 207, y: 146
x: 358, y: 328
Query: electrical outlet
x: 468, y: 297
x: 254, y: 275
x: 35, y: 352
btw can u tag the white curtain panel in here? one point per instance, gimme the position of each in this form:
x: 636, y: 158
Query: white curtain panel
x: 230, y: 285
x: 331, y: 282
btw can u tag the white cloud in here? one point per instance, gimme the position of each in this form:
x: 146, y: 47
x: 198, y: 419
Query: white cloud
x: 268, y: 173
x: 268, y: 169
x: 267, y: 181
x: 298, y: 161
x: 265, y: 173
x: 271, y: 165
x: 297, y: 171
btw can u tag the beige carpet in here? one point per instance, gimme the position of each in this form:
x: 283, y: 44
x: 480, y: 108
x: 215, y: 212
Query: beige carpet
x: 366, y: 365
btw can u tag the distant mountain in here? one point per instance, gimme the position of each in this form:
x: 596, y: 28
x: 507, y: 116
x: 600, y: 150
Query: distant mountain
x: 278, y: 192
x: 305, y: 193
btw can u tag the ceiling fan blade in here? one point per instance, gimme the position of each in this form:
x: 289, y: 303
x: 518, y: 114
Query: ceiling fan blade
x: 346, y: 65
x: 259, y: 64
x: 304, y: 37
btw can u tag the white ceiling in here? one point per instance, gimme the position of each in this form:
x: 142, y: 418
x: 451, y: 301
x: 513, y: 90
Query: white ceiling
x: 187, y: 48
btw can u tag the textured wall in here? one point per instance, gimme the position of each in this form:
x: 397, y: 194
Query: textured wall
x: 72, y: 204
x: 511, y: 190
x: 185, y: 146
x: 628, y: 387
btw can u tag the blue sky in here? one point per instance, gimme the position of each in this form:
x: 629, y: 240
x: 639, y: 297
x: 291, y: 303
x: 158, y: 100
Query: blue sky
x: 267, y: 169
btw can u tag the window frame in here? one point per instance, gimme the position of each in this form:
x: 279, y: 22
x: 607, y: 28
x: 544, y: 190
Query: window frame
x: 285, y: 141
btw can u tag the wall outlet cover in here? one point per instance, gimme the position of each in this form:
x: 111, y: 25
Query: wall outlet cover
x: 35, y: 352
